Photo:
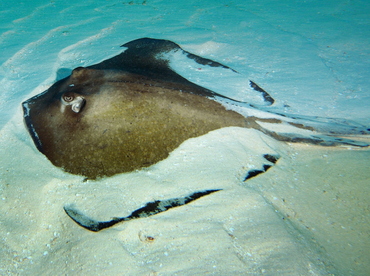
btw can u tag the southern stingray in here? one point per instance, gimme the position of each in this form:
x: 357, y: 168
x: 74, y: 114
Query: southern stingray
x: 130, y: 111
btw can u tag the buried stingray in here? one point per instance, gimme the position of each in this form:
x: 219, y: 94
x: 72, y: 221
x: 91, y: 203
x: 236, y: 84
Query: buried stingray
x: 132, y: 110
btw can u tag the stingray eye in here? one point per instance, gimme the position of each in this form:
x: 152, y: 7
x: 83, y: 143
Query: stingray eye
x: 68, y: 97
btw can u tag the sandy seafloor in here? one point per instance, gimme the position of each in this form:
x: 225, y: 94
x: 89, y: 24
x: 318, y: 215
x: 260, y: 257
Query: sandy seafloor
x: 308, y: 215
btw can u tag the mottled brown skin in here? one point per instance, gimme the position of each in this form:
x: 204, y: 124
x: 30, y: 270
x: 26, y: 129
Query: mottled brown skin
x: 129, y: 121
x: 132, y: 110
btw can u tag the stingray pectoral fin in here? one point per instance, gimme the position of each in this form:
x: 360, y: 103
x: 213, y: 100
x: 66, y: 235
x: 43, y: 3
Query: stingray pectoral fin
x: 89, y: 223
x: 150, y: 209
x: 266, y: 96
x: 269, y: 161
x: 167, y: 61
x: 144, y: 56
x: 30, y: 124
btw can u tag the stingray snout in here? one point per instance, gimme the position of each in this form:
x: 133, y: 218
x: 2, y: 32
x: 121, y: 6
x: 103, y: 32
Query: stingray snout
x: 77, y: 102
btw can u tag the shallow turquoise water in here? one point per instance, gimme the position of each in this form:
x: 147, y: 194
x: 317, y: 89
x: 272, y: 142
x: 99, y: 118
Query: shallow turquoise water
x: 310, y: 55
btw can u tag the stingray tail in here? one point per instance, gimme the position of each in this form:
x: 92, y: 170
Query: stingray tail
x: 312, y: 130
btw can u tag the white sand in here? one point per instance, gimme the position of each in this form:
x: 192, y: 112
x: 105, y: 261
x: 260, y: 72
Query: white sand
x: 308, y: 215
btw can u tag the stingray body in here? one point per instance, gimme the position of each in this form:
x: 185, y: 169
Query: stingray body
x: 132, y: 110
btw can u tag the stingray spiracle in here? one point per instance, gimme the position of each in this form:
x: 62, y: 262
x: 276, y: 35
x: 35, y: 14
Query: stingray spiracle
x: 76, y: 102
